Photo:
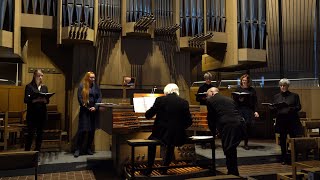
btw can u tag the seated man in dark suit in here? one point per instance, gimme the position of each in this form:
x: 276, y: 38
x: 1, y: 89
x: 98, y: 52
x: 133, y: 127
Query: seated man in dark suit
x: 224, y: 116
x: 172, y: 119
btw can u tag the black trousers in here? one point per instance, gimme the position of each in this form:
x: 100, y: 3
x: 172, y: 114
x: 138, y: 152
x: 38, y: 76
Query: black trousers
x: 284, y: 131
x: 169, y: 153
x: 247, y: 132
x: 232, y: 161
x: 34, y: 126
x: 81, y: 139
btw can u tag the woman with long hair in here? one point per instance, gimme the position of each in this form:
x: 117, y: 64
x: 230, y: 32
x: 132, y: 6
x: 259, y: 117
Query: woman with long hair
x: 88, y: 95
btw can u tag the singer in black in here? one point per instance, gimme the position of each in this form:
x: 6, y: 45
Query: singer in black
x: 224, y: 117
x: 88, y: 95
x: 204, y: 88
x: 287, y: 118
x: 247, y: 105
x: 36, y: 110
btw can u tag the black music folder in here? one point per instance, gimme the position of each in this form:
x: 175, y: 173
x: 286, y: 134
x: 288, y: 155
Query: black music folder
x: 277, y: 105
x: 202, y: 94
x: 240, y: 93
x: 41, y: 94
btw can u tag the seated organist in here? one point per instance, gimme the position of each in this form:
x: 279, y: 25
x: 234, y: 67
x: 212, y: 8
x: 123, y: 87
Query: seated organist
x: 172, y: 119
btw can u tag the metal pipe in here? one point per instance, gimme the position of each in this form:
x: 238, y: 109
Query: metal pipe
x: 54, y: 9
x: 208, y: 14
x: 70, y: 11
x: 34, y: 6
x: 171, y: 12
x: 140, y: 8
x: 10, y: 6
x: 188, y: 14
x: 135, y: 10
x: 218, y: 15
x: 244, y: 22
x: 106, y: 9
x: 280, y: 39
x: 49, y: 7
x: 223, y: 15
x: 194, y: 16
x: 91, y: 6
x: 101, y: 9
x: 41, y: 6
x: 213, y: 15
x: 130, y: 10
x: 253, y: 22
x: 181, y: 17
x: 200, y: 16
x: 86, y: 10
x: 25, y: 6
x: 79, y: 6
x: 261, y: 21
x: 64, y: 13
x: 3, y: 8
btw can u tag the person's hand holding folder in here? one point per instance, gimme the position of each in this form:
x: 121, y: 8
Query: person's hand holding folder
x: 41, y: 97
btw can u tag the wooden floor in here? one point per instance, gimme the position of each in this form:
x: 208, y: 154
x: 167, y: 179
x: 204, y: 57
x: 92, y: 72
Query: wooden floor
x: 72, y: 175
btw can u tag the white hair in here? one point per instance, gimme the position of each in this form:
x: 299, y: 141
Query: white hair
x: 284, y: 81
x: 171, y: 88
x: 208, y: 76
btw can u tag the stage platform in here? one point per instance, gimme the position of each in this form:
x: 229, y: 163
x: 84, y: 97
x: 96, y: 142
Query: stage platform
x: 260, y: 162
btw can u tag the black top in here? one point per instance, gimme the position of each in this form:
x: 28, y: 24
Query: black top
x: 222, y: 110
x: 293, y: 105
x: 203, y: 88
x: 172, y: 118
x: 94, y: 96
x: 224, y: 115
x: 249, y: 101
x: 36, y: 110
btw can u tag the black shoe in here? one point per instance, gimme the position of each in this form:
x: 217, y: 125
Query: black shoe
x: 76, y: 153
x: 89, y: 152
x: 246, y: 147
x: 283, y: 163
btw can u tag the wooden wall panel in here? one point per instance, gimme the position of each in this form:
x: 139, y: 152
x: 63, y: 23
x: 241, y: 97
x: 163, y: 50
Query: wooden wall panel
x: 4, y: 95
x: 11, y: 98
x: 16, y: 99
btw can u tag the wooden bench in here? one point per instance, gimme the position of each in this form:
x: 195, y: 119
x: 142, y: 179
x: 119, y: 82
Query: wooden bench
x: 301, y: 151
x: 309, y: 126
x: 143, y: 142
x: 20, y: 160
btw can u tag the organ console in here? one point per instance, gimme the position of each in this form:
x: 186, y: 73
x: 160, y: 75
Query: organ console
x: 123, y: 123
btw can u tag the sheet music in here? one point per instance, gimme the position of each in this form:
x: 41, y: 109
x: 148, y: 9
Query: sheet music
x: 138, y: 105
x: 148, y: 102
x: 142, y: 104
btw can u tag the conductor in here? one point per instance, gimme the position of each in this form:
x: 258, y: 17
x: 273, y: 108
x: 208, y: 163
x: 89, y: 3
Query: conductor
x: 224, y: 116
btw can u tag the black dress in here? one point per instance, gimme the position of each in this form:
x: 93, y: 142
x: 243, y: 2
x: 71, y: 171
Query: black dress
x: 87, y: 119
x: 248, y: 106
x: 36, y: 115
